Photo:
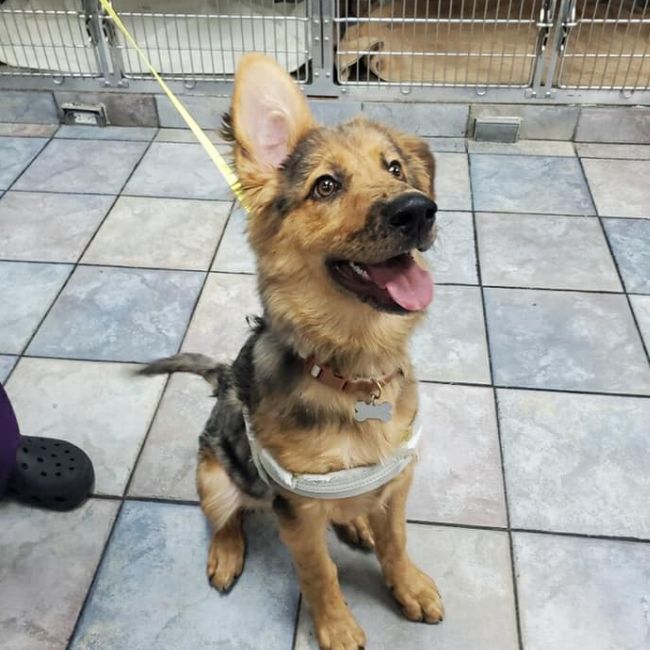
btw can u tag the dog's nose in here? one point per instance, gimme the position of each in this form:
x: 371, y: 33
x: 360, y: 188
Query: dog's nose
x: 412, y: 214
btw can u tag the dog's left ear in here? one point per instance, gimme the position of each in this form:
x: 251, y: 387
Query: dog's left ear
x: 420, y: 162
x: 269, y: 113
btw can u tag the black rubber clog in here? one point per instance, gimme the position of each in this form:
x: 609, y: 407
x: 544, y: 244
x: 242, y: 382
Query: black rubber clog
x: 51, y: 473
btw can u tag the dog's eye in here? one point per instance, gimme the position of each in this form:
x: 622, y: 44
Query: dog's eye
x: 395, y: 168
x: 324, y: 187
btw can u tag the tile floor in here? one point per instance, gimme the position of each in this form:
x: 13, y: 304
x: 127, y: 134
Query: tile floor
x: 530, y: 504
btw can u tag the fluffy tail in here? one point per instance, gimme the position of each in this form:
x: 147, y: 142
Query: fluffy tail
x: 197, y: 364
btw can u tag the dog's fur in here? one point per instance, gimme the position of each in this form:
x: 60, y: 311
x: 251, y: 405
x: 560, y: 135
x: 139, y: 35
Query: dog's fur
x: 309, y: 427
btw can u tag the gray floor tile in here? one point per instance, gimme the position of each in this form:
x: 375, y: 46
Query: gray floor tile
x: 566, y: 341
x: 132, y: 133
x: 85, y: 166
x: 102, y: 407
x: 641, y: 306
x: 614, y: 124
x: 545, y: 251
x: 178, y: 170
x: 27, y: 105
x: 576, y: 463
x: 576, y: 594
x: 472, y: 570
x: 6, y: 364
x: 26, y: 292
x: 49, y: 227
x: 235, y: 254
x: 28, y: 130
x: 450, y: 344
x: 167, y: 466
x: 422, y: 119
x: 151, y: 590
x: 630, y: 241
x: 453, y: 256
x: 332, y: 112
x: 452, y: 182
x: 15, y: 155
x: 623, y: 151
x: 620, y: 187
x: 160, y: 233
x: 523, y: 147
x: 529, y: 184
x: 447, y: 145
x: 458, y: 477
x: 119, y: 314
x: 219, y: 327
x: 47, y: 562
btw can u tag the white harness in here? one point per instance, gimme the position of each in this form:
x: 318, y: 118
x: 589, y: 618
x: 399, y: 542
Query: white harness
x: 342, y: 484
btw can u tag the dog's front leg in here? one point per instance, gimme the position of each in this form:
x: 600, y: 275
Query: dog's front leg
x: 302, y: 529
x: 414, y: 590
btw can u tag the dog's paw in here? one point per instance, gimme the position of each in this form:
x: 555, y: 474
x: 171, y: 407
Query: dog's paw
x: 356, y: 533
x: 225, y: 560
x: 339, y: 631
x: 418, y: 596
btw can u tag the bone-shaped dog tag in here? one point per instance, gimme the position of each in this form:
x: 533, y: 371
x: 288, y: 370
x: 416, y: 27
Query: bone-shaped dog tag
x: 372, y: 411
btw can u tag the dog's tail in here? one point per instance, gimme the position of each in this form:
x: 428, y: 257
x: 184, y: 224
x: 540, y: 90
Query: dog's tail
x: 197, y: 364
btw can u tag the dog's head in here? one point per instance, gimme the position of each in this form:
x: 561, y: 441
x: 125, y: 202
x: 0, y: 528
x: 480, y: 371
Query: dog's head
x: 338, y: 216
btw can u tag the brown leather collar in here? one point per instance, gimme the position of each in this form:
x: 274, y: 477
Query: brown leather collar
x: 325, y: 375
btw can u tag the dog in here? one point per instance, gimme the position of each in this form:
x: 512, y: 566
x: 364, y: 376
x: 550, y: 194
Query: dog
x: 338, y: 220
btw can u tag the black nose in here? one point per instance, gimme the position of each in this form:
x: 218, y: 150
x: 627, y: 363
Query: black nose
x: 412, y: 214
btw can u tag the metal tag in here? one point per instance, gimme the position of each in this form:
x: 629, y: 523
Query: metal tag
x: 372, y: 411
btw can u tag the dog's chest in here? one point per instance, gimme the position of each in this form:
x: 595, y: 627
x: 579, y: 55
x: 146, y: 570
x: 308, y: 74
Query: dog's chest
x: 333, y: 445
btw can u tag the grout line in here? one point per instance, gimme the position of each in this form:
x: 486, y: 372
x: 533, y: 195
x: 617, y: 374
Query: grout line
x: 452, y: 524
x: 65, y: 137
x: 568, y: 391
x: 145, y: 499
x: 252, y: 273
x: 93, y: 582
x: 31, y: 162
x: 604, y: 538
x: 436, y: 382
x: 294, y: 639
x: 496, y: 414
x: 231, y: 198
x: 133, y: 196
x: 532, y: 531
x: 618, y: 270
x: 101, y: 265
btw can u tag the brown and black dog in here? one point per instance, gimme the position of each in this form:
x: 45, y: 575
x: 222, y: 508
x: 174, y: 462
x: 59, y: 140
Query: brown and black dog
x: 337, y: 219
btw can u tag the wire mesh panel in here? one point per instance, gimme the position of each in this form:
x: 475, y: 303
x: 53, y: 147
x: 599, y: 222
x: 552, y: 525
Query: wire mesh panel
x: 40, y: 37
x: 607, y: 45
x: 438, y: 42
x: 204, y: 39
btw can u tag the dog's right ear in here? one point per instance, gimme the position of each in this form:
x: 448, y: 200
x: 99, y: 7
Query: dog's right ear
x: 269, y: 115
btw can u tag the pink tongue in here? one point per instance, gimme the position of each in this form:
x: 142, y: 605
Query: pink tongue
x: 408, y: 284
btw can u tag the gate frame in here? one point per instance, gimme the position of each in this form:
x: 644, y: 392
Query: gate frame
x: 554, y: 28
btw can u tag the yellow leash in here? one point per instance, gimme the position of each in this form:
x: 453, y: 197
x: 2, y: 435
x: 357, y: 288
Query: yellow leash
x: 228, y: 174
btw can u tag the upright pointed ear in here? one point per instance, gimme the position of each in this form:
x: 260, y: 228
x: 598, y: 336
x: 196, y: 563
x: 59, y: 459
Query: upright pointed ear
x: 269, y: 113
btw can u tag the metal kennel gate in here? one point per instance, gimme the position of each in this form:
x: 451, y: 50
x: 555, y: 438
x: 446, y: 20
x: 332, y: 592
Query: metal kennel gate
x: 424, y: 50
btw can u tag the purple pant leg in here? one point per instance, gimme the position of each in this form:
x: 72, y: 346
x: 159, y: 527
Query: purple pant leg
x: 9, y: 439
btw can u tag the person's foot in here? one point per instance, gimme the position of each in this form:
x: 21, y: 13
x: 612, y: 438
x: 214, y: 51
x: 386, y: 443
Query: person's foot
x: 51, y: 473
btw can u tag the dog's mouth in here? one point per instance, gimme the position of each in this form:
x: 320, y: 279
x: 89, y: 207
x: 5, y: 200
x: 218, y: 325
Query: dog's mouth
x: 397, y: 284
